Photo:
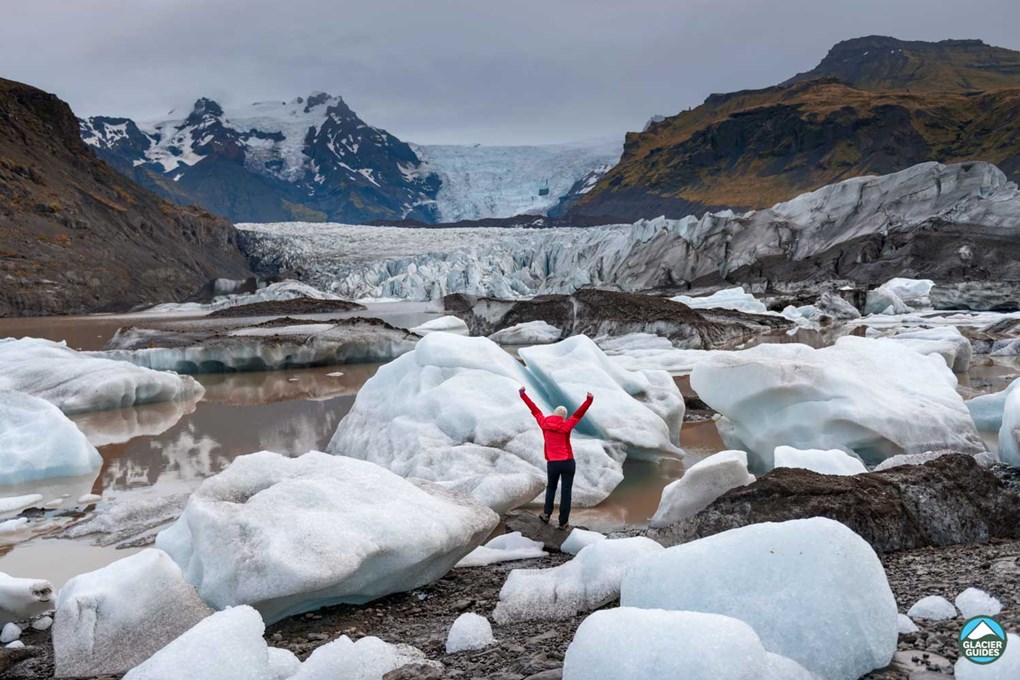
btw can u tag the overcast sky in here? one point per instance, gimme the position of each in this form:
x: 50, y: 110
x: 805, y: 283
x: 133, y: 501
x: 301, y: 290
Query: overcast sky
x: 454, y: 71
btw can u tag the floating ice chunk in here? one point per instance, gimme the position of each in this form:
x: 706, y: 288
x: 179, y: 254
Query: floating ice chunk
x: 730, y: 298
x: 449, y: 412
x: 580, y: 538
x: 635, y: 644
x: 837, y: 616
x: 505, y: 548
x: 112, y: 619
x: 367, y: 659
x: 13, y: 526
x: 586, y: 582
x: 987, y: 409
x: 701, y: 484
x: 831, y: 462
x: 38, y: 441
x: 444, y: 324
x: 874, y: 398
x: 833, y: 306
x: 673, y: 361
x: 905, y: 624
x: 129, y: 521
x: 947, y: 342
x: 76, y: 382
x: 527, y: 333
x: 913, y: 292
x: 633, y: 341
x: 469, y: 632
x: 335, y: 374
x: 11, y: 632
x: 362, y: 532
x: 225, y: 646
x: 933, y: 607
x: 23, y: 598
x: 976, y: 602
x: 14, y: 503
x: 1009, y: 432
x: 1006, y: 667
x: 886, y: 302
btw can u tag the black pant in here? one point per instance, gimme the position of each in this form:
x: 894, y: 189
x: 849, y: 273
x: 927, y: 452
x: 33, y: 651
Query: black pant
x: 557, y: 469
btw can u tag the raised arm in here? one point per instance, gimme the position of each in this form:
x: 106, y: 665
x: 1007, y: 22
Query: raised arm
x: 535, y: 411
x: 579, y: 413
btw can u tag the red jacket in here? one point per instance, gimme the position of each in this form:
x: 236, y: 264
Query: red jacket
x: 556, y: 430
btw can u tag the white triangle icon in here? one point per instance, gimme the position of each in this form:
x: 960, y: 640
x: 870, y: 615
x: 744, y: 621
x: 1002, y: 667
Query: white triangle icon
x: 981, y: 630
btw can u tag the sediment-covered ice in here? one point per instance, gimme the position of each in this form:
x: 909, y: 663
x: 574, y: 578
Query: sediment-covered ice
x: 260, y: 348
x: 812, y: 590
x: 874, y: 398
x: 361, y: 532
x: 273, y: 292
x: 112, y: 619
x: 627, y: 643
x: 128, y: 521
x: 23, y: 598
x: 449, y: 412
x: 469, y: 632
x: 933, y: 607
x: 588, y: 581
x: 831, y: 462
x: 504, y: 548
x: 38, y: 441
x: 527, y: 333
x: 701, y: 484
x: 976, y: 602
x: 730, y: 298
x: 82, y: 381
x: 367, y: 659
x: 227, y: 645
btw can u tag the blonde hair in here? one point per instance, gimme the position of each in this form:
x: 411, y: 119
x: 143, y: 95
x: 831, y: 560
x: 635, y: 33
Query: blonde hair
x: 560, y: 411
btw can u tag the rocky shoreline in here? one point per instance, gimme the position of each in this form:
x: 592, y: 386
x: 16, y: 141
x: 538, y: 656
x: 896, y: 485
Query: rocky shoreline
x: 534, y: 650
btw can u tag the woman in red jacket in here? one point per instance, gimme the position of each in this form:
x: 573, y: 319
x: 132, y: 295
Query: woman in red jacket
x: 559, y: 455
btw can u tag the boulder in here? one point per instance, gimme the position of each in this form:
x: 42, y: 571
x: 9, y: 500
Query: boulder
x: 360, y: 531
x: 947, y: 501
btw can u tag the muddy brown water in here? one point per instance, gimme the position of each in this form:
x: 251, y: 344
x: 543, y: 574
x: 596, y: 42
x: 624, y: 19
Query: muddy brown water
x: 164, y: 449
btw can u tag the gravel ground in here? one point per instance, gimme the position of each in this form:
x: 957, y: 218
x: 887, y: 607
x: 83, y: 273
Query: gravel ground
x: 535, y: 650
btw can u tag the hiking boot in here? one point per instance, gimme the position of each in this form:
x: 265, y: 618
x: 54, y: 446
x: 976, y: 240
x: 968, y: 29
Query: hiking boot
x: 563, y: 527
x: 544, y: 518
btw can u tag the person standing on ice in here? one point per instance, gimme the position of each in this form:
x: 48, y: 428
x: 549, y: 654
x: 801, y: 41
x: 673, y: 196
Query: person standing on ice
x: 559, y: 456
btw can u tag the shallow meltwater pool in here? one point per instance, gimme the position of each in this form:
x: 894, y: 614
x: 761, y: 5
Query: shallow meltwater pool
x: 159, y: 451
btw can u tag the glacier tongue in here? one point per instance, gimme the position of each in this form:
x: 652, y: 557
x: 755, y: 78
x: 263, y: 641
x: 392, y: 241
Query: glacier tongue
x: 423, y: 264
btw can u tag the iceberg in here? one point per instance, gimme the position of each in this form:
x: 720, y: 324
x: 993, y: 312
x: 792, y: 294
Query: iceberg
x: 76, y: 382
x: 112, y: 619
x: 637, y: 644
x: 701, y: 484
x: 729, y: 298
x: 444, y: 324
x: 1009, y: 432
x: 812, y: 589
x: 38, y: 441
x: 367, y: 659
x: 947, y: 342
x: 976, y: 602
x: 469, y: 632
x: 362, y: 532
x: 23, y: 598
x: 933, y: 607
x: 225, y: 646
x: 505, y: 548
x: 831, y: 462
x: 873, y: 398
x: 588, y: 581
x: 527, y: 333
x: 449, y: 412
x: 987, y: 410
x: 271, y: 345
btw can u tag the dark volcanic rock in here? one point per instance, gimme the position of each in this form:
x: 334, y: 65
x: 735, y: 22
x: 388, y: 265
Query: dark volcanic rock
x: 295, y: 306
x: 947, y: 501
x: 597, y: 313
x: 76, y: 236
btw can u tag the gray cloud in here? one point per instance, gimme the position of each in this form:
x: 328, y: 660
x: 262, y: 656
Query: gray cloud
x: 454, y: 71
